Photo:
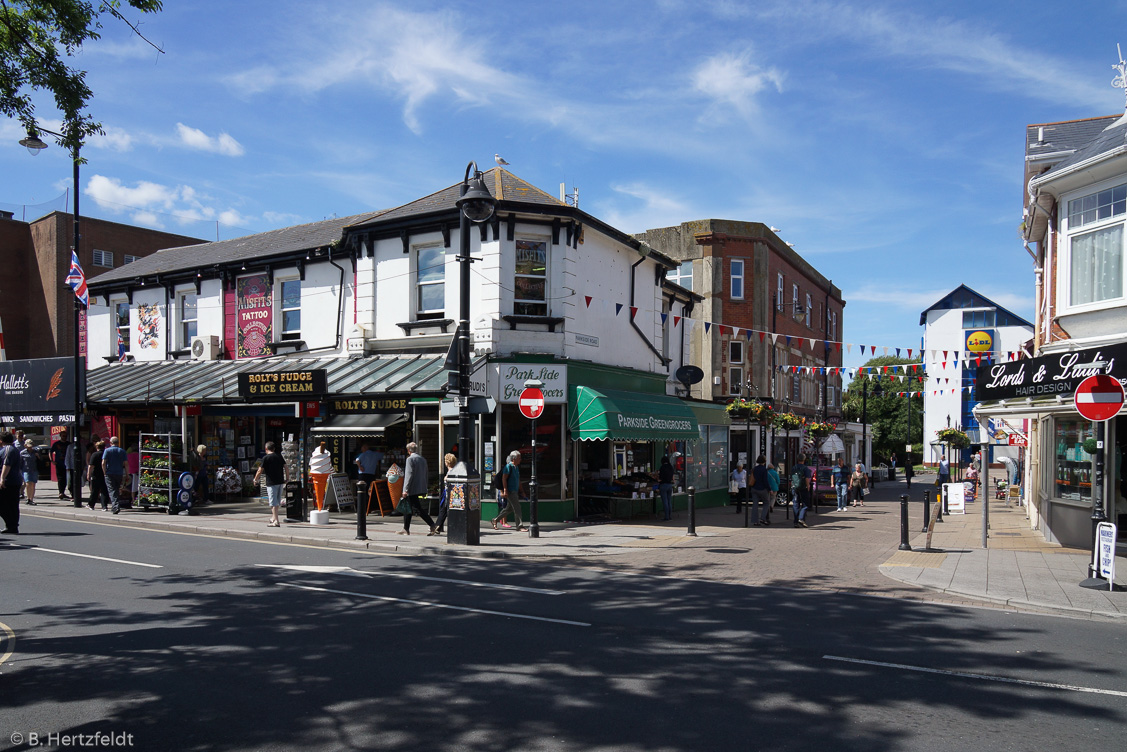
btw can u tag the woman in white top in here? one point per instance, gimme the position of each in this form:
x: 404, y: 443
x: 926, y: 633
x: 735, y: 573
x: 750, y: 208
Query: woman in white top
x: 739, y: 478
x: 320, y: 467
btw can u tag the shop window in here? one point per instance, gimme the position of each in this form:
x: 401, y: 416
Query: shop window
x: 1074, y: 471
x: 121, y: 324
x: 737, y: 274
x: 530, y: 280
x: 517, y: 435
x: 186, y: 309
x: 717, y: 456
x: 289, y: 303
x: 696, y: 461
x: 430, y: 282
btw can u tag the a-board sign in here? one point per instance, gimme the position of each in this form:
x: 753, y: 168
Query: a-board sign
x: 956, y: 501
x: 380, y: 497
x: 339, y: 491
x: 1105, y: 552
x: 287, y: 386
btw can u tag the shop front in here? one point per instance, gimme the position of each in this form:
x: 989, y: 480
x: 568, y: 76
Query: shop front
x: 1059, y: 477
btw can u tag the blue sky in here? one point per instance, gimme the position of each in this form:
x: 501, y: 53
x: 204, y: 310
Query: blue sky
x: 884, y: 139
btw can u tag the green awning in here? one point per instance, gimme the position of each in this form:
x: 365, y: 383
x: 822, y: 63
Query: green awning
x: 627, y: 416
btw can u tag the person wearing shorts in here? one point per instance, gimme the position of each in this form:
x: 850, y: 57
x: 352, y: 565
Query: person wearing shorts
x: 274, y: 468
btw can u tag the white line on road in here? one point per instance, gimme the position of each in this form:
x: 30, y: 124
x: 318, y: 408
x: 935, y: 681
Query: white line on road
x: 9, y: 642
x: 321, y: 569
x: 985, y: 677
x: 89, y: 556
x: 435, y: 605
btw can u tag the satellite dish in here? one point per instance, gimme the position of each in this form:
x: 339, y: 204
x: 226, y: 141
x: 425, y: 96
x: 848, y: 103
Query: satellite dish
x: 689, y: 375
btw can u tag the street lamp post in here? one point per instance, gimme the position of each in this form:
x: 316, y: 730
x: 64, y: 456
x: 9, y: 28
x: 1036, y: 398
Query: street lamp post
x: 34, y: 145
x: 475, y: 205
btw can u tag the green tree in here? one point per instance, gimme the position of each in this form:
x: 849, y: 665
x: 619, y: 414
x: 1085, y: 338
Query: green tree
x: 37, y: 40
x: 888, y: 412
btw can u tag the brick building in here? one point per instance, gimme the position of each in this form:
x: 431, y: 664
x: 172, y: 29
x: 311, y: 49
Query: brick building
x: 752, y: 280
x: 36, y: 306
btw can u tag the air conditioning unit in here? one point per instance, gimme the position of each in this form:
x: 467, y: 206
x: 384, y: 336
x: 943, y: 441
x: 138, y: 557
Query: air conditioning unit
x: 205, y: 348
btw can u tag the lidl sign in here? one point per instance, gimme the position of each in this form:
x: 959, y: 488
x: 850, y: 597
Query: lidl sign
x: 980, y: 341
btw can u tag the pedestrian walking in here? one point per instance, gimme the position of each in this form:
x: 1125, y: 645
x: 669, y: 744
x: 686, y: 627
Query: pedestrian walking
x: 737, y: 485
x: 841, y: 484
x: 760, y: 491
x: 944, y: 472
x: 320, y: 467
x: 274, y: 468
x: 665, y: 487
x: 18, y: 443
x: 857, y: 483
x: 368, y: 462
x: 449, y: 460
x: 773, y: 486
x: 74, y: 468
x: 800, y: 479
x: 59, y: 459
x: 202, y: 486
x: 414, y: 489
x: 113, y: 468
x: 96, y: 477
x: 510, y: 491
x: 30, y: 463
x: 11, y: 478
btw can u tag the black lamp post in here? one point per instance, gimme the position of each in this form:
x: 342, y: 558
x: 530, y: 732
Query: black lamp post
x: 475, y: 205
x: 34, y: 145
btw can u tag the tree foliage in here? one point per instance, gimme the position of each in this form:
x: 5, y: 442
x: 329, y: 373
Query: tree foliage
x: 37, y: 40
x: 887, y: 412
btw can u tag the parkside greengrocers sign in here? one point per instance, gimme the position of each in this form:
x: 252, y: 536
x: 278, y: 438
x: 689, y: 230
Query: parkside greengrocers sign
x: 42, y: 387
x: 1050, y: 375
x: 652, y: 422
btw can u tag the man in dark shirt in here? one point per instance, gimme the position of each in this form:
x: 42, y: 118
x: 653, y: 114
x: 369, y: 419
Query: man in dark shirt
x: 59, y: 458
x: 804, y: 474
x: 274, y: 468
x: 113, y: 467
x: 760, y: 492
x: 11, y: 478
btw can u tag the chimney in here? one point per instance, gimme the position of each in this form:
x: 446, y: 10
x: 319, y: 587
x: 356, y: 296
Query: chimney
x: 6, y: 214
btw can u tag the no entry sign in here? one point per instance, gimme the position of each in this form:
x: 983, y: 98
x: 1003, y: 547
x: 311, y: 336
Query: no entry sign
x: 531, y: 403
x: 1099, y: 397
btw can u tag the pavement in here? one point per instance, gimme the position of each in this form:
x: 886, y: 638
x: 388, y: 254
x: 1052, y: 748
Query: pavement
x: 855, y: 550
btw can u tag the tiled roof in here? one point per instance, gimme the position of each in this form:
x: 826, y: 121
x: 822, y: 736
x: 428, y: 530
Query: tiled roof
x: 1114, y: 137
x: 501, y: 183
x: 260, y: 245
x: 1067, y: 136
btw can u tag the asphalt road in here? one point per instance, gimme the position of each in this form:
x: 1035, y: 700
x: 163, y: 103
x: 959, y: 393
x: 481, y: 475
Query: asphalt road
x: 193, y: 643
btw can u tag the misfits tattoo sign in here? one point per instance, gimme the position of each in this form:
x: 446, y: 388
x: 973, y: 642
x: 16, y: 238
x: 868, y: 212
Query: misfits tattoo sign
x: 1049, y: 375
x: 255, y: 315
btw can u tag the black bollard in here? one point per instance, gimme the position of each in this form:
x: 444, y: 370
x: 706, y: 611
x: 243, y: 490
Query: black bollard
x: 938, y: 505
x: 361, y: 510
x: 747, y: 505
x: 927, y: 510
x: 904, y: 546
x: 692, y: 511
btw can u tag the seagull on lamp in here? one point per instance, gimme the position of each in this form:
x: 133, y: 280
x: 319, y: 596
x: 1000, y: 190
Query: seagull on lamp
x: 499, y: 160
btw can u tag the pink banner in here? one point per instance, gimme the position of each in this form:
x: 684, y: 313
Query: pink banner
x: 255, y: 317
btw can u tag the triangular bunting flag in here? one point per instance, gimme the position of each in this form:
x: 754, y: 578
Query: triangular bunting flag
x: 898, y: 352
x: 707, y: 326
x: 750, y: 332
x: 909, y: 352
x: 848, y: 348
x: 617, y: 308
x: 885, y: 351
x: 798, y: 341
x: 664, y: 316
x: 588, y: 298
x: 676, y: 320
x: 762, y: 335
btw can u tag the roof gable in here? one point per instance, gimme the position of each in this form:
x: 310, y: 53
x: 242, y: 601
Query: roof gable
x: 964, y: 297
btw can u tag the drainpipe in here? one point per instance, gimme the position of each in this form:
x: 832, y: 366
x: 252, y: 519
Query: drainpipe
x: 661, y: 358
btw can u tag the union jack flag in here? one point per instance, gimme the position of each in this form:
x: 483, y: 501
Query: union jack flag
x: 76, y: 278
x: 121, y: 351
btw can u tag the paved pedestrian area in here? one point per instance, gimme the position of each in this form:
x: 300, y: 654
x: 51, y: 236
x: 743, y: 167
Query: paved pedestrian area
x: 854, y: 550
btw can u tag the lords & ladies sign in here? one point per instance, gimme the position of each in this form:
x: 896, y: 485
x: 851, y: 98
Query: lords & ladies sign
x: 1049, y: 375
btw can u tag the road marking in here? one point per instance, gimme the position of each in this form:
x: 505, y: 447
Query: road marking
x: 985, y: 677
x: 319, y: 569
x: 87, y: 556
x: 9, y: 642
x: 435, y: 605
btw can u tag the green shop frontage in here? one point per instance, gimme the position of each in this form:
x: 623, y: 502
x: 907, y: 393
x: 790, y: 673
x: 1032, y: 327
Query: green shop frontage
x: 600, y: 440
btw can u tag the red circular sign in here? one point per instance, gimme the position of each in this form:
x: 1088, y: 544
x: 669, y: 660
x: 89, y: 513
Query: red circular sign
x: 531, y: 403
x: 1099, y: 397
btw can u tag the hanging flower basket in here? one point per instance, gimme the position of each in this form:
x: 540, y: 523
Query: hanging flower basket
x: 787, y: 421
x: 760, y: 412
x: 953, y: 437
x: 820, y: 430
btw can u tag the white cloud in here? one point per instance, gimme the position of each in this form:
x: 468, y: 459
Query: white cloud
x: 733, y: 79
x: 115, y: 139
x: 645, y: 207
x: 156, y: 205
x: 194, y: 138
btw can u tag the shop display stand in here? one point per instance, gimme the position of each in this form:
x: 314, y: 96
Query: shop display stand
x: 159, y: 471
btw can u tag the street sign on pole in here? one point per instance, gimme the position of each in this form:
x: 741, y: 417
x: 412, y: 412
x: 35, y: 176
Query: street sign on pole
x: 1099, y: 397
x: 531, y: 403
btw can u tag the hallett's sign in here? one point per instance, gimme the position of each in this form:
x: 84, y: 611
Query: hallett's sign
x: 45, y: 386
x: 1049, y: 375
